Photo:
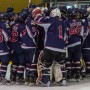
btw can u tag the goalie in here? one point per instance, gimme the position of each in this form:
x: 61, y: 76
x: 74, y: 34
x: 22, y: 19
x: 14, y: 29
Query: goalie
x: 55, y: 71
x: 54, y: 43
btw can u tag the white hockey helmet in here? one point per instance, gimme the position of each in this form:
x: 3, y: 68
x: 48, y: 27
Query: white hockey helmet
x: 88, y: 9
x: 55, y: 12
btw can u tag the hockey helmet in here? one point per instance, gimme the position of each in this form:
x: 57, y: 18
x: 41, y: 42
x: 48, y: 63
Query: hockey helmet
x: 25, y: 10
x: 23, y: 16
x: 71, y: 13
x: 4, y: 16
x: 36, y: 11
x: 63, y: 9
x: 55, y: 12
x: 32, y: 6
x: 84, y: 13
x: 10, y: 9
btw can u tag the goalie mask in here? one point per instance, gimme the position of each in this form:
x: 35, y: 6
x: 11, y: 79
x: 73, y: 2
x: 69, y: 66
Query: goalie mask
x: 55, y: 12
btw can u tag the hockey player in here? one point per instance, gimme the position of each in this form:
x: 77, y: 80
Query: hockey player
x: 29, y: 47
x: 4, y: 52
x: 86, y: 38
x: 11, y: 18
x: 54, y: 42
x: 31, y: 7
x: 74, y: 28
x: 5, y: 17
x: 18, y: 61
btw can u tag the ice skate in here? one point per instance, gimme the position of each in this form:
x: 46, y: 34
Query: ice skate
x: 4, y: 81
x: 19, y: 81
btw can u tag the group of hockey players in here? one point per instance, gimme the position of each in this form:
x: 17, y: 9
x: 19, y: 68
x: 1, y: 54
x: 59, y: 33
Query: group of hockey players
x: 45, y: 45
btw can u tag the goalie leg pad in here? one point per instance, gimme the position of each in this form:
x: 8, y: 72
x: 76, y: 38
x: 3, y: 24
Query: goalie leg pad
x: 45, y: 75
x: 57, y: 73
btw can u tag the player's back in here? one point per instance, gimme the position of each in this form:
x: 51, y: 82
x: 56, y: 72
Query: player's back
x: 55, y: 34
x: 55, y: 30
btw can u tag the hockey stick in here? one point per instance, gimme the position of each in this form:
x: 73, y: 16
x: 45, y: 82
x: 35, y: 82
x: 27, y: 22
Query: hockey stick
x: 29, y: 2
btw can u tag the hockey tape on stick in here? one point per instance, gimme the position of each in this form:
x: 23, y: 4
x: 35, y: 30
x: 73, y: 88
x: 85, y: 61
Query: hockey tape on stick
x: 29, y: 2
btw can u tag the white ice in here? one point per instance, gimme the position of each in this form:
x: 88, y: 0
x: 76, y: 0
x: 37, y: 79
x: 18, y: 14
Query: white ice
x: 84, y: 86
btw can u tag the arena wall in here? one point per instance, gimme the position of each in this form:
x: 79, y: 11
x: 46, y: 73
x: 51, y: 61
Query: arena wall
x: 17, y: 4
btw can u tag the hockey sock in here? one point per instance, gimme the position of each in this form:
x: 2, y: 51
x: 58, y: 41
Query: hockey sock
x: 3, y: 70
x: 88, y: 67
x: 33, y: 69
x: 20, y: 71
x: 77, y: 69
x: 68, y: 68
x: 14, y: 70
x: 27, y: 73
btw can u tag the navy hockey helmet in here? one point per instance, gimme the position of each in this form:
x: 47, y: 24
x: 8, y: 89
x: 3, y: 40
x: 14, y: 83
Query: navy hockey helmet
x: 4, y: 16
x: 32, y: 6
x: 63, y: 9
x: 77, y: 12
x: 23, y: 16
x: 83, y: 13
x: 88, y: 6
x: 10, y: 9
x: 25, y: 10
x: 11, y: 16
x: 71, y: 13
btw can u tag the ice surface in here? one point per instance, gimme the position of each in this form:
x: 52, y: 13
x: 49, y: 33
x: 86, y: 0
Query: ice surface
x: 84, y: 85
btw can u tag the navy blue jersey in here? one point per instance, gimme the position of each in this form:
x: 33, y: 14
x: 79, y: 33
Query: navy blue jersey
x: 28, y: 35
x: 63, y: 18
x: 4, y: 37
x: 74, y: 29
x: 54, y: 32
x: 15, y: 38
x: 86, y: 44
